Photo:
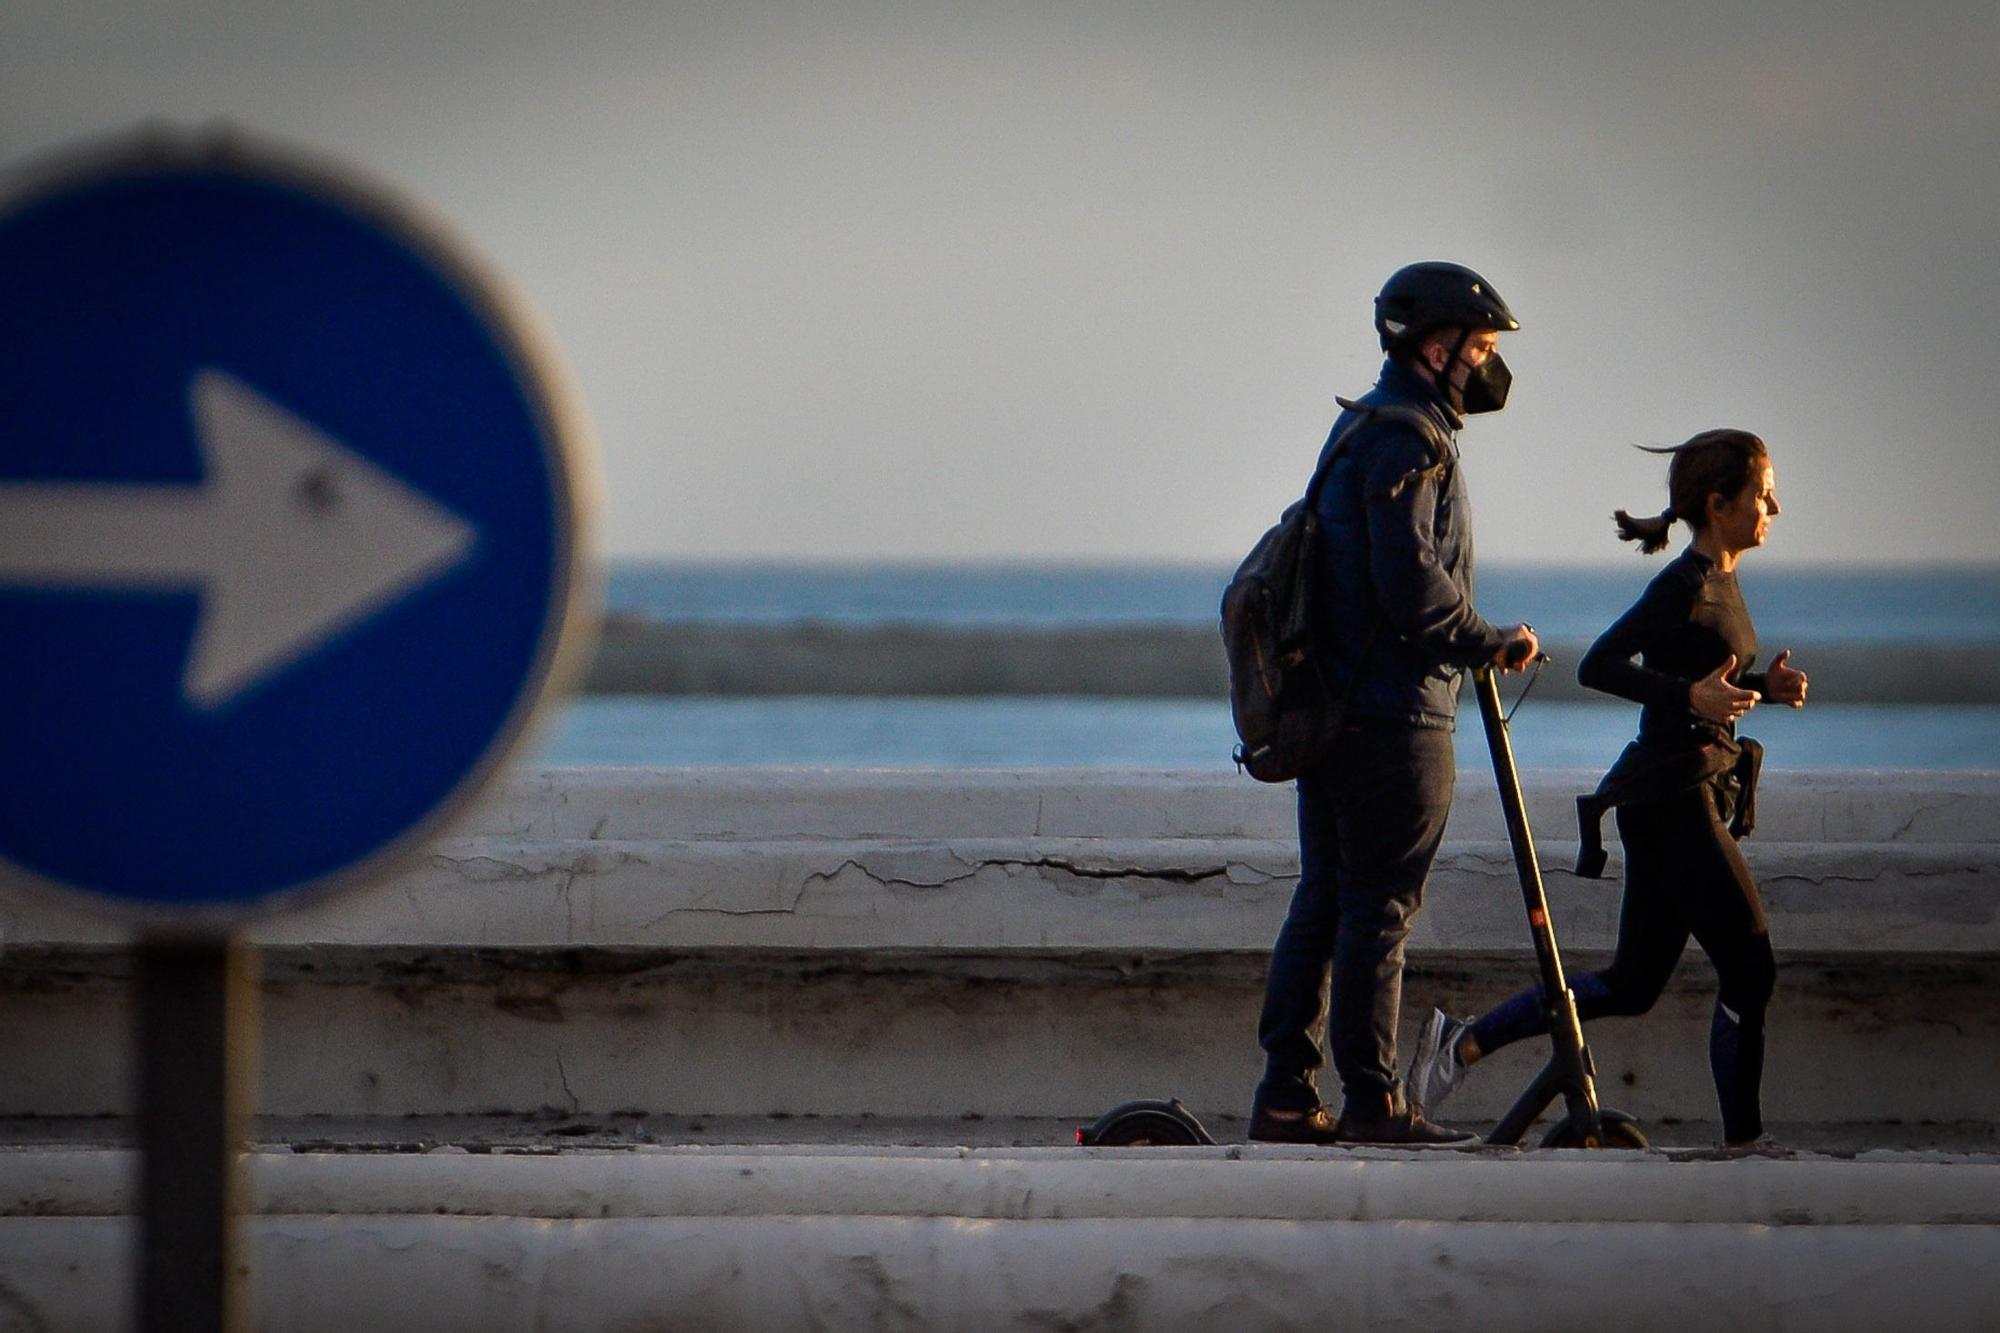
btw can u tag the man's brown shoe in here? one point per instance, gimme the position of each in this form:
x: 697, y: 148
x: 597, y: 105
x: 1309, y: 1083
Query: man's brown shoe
x: 1314, y: 1126
x: 1404, y: 1127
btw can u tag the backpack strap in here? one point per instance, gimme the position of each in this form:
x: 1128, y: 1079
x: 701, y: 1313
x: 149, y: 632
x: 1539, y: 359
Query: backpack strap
x: 1363, y: 417
x: 1366, y: 415
x: 1425, y: 426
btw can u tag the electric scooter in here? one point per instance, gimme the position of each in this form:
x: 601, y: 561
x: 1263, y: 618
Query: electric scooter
x: 1570, y: 1072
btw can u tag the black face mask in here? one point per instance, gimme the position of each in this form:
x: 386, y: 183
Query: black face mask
x: 1486, y: 387
x: 1486, y: 384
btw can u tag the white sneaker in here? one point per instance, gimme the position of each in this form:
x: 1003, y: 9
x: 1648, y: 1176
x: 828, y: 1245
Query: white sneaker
x: 1761, y: 1146
x: 1435, y: 1069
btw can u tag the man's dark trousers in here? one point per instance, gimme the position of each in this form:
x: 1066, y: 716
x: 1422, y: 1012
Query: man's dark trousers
x: 1370, y: 821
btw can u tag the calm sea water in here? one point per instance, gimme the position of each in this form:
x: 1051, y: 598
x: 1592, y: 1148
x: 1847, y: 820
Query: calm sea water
x: 1181, y: 733
x: 1958, y: 605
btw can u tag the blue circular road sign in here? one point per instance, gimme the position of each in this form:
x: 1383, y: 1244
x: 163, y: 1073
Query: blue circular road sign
x: 290, y: 525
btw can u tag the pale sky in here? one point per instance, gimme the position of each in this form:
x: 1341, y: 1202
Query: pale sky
x: 1080, y: 281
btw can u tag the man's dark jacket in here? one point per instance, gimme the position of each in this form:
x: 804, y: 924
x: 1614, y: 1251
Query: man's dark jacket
x: 1397, y: 551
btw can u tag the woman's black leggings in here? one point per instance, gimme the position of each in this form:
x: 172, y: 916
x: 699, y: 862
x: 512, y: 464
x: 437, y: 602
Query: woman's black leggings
x: 1683, y: 876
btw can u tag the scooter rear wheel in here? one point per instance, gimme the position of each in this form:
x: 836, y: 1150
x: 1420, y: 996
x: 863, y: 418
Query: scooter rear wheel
x: 1620, y: 1131
x: 1145, y: 1124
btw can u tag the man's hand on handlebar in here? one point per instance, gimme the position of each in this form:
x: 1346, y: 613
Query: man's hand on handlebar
x: 1520, y: 649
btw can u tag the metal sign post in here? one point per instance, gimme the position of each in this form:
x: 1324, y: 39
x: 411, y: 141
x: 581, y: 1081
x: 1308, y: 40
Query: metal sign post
x: 293, y: 508
x: 197, y: 1031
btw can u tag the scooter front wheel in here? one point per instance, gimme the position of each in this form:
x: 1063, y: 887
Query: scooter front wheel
x: 1620, y: 1131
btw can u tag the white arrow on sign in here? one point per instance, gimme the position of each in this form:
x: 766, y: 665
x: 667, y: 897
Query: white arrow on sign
x: 289, y: 539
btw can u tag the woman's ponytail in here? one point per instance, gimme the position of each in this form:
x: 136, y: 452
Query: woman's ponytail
x: 1650, y: 533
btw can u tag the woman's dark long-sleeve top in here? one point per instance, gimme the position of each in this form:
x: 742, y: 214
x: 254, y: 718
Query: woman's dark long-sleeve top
x: 1688, y: 621
x: 1690, y: 618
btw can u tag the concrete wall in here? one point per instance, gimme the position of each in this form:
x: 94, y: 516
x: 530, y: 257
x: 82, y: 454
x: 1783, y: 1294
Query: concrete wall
x: 600, y: 940
x: 636, y: 656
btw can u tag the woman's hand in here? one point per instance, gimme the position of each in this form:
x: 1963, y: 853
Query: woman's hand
x: 1784, y: 684
x: 1714, y: 698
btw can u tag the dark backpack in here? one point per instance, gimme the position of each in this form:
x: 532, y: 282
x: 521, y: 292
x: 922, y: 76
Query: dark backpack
x: 1287, y: 711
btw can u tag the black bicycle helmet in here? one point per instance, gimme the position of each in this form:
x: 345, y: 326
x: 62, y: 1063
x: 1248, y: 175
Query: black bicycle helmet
x: 1436, y: 295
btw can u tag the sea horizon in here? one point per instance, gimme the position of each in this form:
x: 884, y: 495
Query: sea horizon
x: 1614, y: 555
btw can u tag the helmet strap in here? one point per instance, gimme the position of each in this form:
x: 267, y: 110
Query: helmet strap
x: 1446, y: 389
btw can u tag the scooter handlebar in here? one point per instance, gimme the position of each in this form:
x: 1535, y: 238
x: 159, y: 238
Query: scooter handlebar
x: 1516, y: 661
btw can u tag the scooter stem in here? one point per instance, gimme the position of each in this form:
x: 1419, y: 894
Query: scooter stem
x: 1572, y: 1063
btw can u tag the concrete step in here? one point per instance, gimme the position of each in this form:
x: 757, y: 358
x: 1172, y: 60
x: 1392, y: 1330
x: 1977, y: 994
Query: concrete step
x: 1158, y: 1239
x: 429, y: 1274
x: 1250, y: 1182
x: 552, y: 1132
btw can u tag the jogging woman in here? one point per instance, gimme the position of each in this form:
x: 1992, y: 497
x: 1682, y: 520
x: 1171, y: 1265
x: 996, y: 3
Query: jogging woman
x: 1675, y: 788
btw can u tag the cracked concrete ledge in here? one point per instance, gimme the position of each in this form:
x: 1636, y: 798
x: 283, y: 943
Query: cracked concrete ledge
x: 1058, y: 894
x: 1116, y: 859
x: 633, y: 804
x: 1055, y: 894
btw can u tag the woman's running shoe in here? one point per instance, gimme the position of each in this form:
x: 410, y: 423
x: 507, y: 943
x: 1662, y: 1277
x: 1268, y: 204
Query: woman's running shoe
x: 1435, y: 1069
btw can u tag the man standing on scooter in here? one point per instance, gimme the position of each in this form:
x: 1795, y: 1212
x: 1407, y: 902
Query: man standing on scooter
x: 1395, y: 624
